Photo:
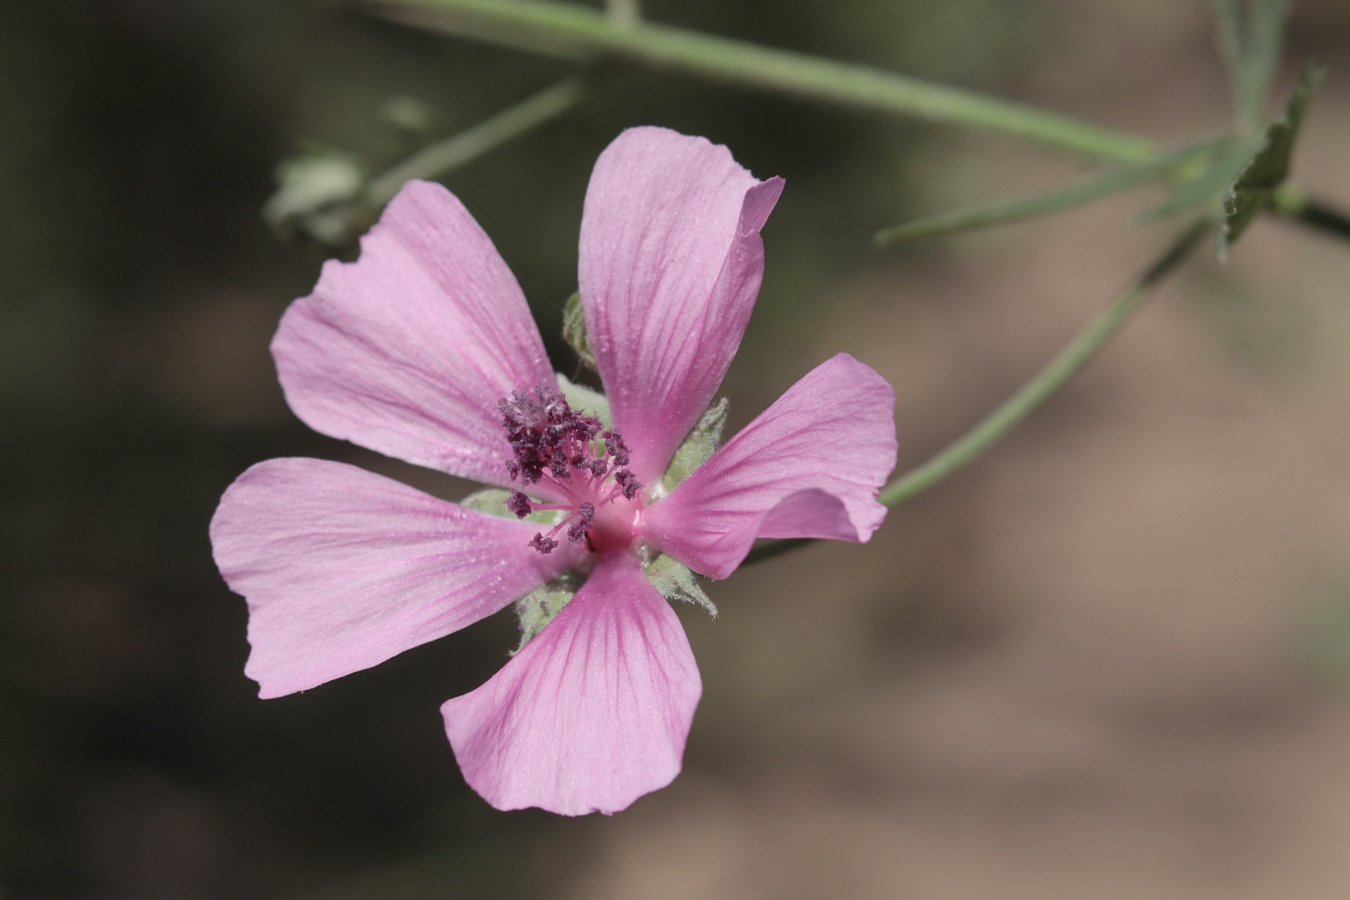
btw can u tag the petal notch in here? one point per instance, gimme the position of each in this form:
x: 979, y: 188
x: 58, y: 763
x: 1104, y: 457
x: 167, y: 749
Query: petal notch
x: 407, y: 350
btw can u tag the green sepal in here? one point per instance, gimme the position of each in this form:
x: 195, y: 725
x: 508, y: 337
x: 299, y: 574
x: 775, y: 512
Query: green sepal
x: 1268, y: 167
x: 675, y: 581
x: 672, y: 580
x: 537, y: 608
x: 698, y: 446
x: 574, y: 330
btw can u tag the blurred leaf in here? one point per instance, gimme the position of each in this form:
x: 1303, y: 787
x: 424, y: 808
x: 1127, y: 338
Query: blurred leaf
x: 1251, y: 40
x: 316, y: 197
x: 1323, y: 638
x: 1268, y: 167
x: 1210, y: 184
x: 409, y: 116
x: 1232, y: 43
x: 1053, y: 201
x: 1265, y: 38
x: 439, y: 158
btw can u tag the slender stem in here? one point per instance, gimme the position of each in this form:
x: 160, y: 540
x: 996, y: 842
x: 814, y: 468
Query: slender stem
x: 1290, y: 204
x: 574, y: 31
x: 565, y: 29
x: 1031, y: 395
x: 474, y: 142
x: 625, y: 12
x: 1118, y: 178
x: 1046, y: 382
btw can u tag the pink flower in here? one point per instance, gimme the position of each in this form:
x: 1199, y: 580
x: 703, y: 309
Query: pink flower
x: 425, y: 350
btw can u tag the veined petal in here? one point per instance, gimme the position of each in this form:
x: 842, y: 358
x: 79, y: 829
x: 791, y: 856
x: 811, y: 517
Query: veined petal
x: 809, y: 466
x: 670, y: 264
x: 343, y: 569
x: 407, y: 350
x: 591, y: 714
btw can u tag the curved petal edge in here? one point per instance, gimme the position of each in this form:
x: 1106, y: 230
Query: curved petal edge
x: 343, y: 569
x: 591, y: 714
x: 670, y: 264
x: 809, y: 466
x: 407, y: 350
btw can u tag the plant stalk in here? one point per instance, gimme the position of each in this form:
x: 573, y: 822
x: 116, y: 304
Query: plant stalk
x: 1042, y: 386
x: 576, y: 32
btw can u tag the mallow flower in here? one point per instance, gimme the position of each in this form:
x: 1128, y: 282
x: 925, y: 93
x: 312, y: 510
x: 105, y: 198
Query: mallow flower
x: 601, y: 506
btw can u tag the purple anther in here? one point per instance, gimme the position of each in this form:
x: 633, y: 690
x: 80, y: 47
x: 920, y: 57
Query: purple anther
x: 546, y: 435
x: 616, y: 448
x: 519, y: 504
x: 542, y: 544
x: 576, y: 532
x: 628, y: 481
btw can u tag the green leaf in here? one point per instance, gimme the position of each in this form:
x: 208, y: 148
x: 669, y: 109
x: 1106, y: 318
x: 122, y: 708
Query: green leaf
x: 1251, y: 39
x: 574, y: 330
x: 1210, y: 184
x: 1103, y: 185
x: 1265, y: 38
x: 1232, y: 43
x: 1268, y: 166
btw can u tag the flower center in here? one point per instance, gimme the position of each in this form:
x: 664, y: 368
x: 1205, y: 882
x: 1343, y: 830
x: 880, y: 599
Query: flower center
x: 582, y: 465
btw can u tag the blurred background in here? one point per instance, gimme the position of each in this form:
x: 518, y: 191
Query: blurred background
x: 1111, y: 659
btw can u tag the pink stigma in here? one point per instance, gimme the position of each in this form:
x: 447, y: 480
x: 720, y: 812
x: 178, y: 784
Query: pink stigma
x: 565, y: 449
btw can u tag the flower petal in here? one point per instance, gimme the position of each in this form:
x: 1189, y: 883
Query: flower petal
x: 811, y: 466
x: 343, y: 569
x: 670, y: 264
x: 407, y: 350
x: 591, y: 714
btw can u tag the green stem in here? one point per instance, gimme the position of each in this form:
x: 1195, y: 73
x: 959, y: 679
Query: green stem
x: 573, y: 31
x: 624, y: 12
x: 1035, y: 392
x: 568, y: 30
x: 1046, y: 382
x: 1115, y: 180
x: 441, y: 157
x: 1291, y: 204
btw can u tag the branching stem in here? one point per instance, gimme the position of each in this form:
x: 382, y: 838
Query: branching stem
x: 577, y: 32
x: 445, y: 155
x: 1042, y: 386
